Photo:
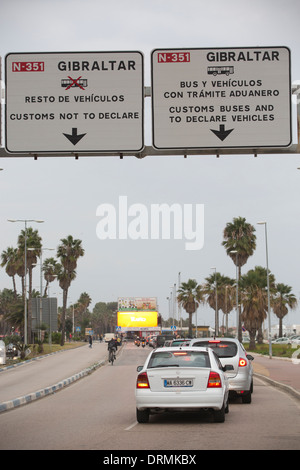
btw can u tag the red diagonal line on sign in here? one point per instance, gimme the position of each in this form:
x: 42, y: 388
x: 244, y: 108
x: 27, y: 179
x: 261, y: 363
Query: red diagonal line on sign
x: 74, y: 82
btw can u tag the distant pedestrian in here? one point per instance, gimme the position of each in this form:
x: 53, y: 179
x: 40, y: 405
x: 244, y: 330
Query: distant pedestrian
x: 90, y: 340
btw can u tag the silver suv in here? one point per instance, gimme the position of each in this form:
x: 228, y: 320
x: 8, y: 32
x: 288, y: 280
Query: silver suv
x: 231, y: 351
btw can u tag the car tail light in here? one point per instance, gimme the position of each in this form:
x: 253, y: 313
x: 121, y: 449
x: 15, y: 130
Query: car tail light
x: 214, y: 380
x: 242, y: 362
x: 142, y: 381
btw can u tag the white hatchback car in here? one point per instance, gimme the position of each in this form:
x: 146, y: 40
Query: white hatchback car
x: 231, y: 351
x: 185, y: 378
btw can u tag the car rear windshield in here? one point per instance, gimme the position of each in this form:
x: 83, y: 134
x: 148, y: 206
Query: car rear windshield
x: 180, y: 343
x: 221, y: 348
x: 179, y: 358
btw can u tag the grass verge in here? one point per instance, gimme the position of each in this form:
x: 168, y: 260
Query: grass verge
x: 278, y: 350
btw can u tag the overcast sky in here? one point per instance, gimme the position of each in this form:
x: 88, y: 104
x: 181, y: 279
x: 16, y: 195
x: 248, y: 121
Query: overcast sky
x: 66, y: 193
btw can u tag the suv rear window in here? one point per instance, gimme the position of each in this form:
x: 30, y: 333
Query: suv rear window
x: 179, y: 359
x: 180, y: 342
x: 221, y: 348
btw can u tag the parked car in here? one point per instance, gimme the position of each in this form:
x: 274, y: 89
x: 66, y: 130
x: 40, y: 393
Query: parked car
x: 187, y: 378
x: 246, y: 339
x: 294, y: 338
x: 283, y: 340
x: 11, y: 350
x: 231, y: 351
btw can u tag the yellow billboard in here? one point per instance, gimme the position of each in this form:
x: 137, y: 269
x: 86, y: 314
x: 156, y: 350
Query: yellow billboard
x: 137, y: 319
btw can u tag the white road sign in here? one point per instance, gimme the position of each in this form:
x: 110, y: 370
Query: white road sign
x: 70, y: 102
x: 221, y: 98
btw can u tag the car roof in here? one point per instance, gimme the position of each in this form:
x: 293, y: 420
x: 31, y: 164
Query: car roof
x: 181, y: 348
x: 233, y: 340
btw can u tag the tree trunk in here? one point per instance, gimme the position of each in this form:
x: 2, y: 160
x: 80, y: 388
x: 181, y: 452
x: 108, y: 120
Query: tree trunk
x: 260, y: 336
x: 190, y: 325
x: 280, y: 328
x: 14, y: 285
x: 252, y: 334
x: 240, y: 335
x: 63, y: 317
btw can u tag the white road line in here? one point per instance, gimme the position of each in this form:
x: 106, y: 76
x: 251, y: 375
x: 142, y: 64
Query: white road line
x: 132, y: 426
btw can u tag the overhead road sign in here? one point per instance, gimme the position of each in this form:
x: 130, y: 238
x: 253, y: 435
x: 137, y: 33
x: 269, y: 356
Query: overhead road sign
x: 233, y: 98
x: 74, y: 102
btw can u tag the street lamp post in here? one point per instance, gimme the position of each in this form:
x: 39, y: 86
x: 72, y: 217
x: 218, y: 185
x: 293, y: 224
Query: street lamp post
x: 172, y: 305
x: 25, y: 271
x: 179, y: 305
x: 41, y: 287
x: 268, y: 288
x: 237, y: 293
x: 216, y: 314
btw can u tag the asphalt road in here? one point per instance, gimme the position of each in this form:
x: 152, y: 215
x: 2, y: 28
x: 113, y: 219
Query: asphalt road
x: 98, y: 413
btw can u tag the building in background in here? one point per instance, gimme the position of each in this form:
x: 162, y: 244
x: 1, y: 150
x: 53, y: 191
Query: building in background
x: 138, y: 315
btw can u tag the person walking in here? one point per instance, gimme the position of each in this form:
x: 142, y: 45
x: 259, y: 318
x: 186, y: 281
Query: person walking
x: 90, y: 341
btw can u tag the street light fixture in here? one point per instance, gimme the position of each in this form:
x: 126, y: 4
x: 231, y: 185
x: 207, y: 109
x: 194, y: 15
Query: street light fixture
x: 25, y: 270
x: 268, y: 288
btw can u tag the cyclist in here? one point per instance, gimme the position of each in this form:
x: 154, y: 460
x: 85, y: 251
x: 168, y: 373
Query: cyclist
x: 112, y: 346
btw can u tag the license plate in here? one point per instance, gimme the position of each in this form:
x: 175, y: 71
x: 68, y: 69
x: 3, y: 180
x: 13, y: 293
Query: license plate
x: 178, y: 382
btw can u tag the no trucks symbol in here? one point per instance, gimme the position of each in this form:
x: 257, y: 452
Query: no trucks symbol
x: 71, y: 82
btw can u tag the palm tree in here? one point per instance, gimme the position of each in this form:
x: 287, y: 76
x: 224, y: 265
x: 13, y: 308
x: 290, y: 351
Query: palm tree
x: 189, y: 297
x: 81, y: 308
x: 50, y: 270
x: 226, y: 296
x: 282, y: 300
x: 254, y: 296
x: 68, y: 252
x: 11, y: 311
x: 84, y: 300
x: 240, y: 244
x: 9, y: 259
x: 33, y: 251
x: 218, y: 296
x: 34, y: 247
x: 20, y: 268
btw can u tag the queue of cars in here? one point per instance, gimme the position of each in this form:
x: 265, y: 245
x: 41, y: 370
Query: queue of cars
x: 194, y: 374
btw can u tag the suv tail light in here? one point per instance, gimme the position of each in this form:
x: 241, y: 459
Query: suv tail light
x: 142, y: 381
x: 242, y: 362
x: 214, y: 380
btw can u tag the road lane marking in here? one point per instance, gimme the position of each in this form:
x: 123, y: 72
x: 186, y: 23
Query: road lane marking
x: 132, y: 426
